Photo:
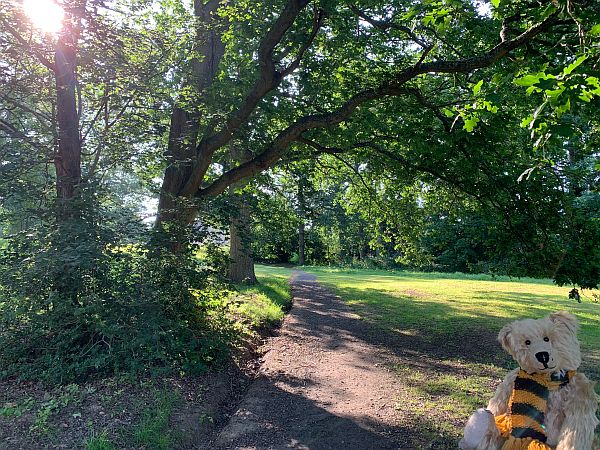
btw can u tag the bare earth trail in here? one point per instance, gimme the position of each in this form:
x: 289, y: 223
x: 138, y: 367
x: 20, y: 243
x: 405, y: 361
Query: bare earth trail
x: 324, y: 383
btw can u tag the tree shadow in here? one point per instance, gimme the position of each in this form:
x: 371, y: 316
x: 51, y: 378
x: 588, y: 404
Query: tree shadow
x: 441, y: 335
x: 272, y: 418
x: 277, y: 414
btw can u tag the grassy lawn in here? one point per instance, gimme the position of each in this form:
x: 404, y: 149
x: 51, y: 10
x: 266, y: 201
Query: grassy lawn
x: 443, y: 329
x: 264, y: 304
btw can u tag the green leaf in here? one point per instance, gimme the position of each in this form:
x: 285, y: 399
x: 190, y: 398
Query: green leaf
x: 554, y: 94
x: 490, y: 107
x: 527, y: 80
x: 586, y: 96
x: 560, y: 110
x: 531, y: 89
x: 477, y: 87
x: 571, y: 67
x: 448, y: 112
x: 496, y: 3
x: 595, y: 31
x: 550, y: 9
x: 526, y: 121
x: 592, y: 81
x: 470, y: 123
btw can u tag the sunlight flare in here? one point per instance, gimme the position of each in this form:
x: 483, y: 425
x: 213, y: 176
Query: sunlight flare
x: 44, y: 14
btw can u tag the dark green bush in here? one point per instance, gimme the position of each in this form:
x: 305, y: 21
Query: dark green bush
x: 87, y: 295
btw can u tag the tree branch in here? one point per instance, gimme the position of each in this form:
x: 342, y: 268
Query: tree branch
x: 12, y: 132
x: 436, y: 111
x: 41, y: 58
x: 268, y: 79
x: 391, y: 88
x: 42, y: 117
x: 385, y: 26
x: 317, y: 23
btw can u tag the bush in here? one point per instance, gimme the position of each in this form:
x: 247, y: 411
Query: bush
x: 85, y: 295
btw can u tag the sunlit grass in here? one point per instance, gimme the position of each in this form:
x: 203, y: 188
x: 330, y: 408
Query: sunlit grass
x: 265, y: 303
x: 443, y: 303
x: 448, y: 323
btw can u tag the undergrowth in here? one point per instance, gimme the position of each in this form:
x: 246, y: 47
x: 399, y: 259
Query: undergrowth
x: 86, y: 296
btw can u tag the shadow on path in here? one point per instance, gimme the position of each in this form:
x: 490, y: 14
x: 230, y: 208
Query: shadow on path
x: 325, y: 384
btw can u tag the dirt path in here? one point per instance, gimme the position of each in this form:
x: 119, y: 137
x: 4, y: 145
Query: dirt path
x: 323, y: 384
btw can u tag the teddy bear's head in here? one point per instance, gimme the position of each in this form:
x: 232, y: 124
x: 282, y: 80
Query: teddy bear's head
x: 545, y: 345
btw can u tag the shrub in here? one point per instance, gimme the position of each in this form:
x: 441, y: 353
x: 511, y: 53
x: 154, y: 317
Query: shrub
x: 87, y: 295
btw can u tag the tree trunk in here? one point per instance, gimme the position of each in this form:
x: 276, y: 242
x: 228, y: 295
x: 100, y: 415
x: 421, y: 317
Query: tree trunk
x: 361, y: 252
x: 173, y: 207
x: 301, y: 243
x: 241, y: 262
x: 302, y: 226
x: 68, y: 158
x: 181, y: 149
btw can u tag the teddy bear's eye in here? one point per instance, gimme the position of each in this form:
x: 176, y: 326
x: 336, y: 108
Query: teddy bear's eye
x: 527, y: 342
x: 546, y: 339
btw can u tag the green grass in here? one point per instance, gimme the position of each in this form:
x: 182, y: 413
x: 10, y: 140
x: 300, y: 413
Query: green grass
x: 446, y: 325
x: 265, y: 303
x: 99, y: 442
x: 438, y: 306
x: 152, y: 432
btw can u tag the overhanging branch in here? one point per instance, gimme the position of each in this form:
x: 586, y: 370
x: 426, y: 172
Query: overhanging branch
x: 39, y: 55
x: 391, y: 88
x: 268, y: 79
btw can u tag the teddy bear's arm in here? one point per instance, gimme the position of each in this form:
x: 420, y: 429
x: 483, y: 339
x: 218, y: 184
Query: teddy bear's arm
x: 577, y: 431
x: 499, y: 403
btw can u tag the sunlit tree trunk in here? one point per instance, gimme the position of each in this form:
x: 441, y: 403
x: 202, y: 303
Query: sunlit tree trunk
x: 68, y: 158
x: 241, y: 262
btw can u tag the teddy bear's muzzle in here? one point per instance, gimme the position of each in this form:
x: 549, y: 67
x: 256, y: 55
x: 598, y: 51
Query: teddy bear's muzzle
x: 543, y: 357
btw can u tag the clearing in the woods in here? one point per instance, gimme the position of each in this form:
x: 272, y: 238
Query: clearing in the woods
x: 363, y: 360
x: 400, y: 364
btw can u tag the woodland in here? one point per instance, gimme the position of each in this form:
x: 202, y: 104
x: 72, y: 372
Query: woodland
x: 152, y: 150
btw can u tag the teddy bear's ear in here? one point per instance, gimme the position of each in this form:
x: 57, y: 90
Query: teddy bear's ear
x: 566, y: 319
x: 503, y: 337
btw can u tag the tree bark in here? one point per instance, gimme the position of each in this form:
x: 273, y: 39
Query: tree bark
x: 68, y: 158
x: 241, y: 261
x: 174, y: 206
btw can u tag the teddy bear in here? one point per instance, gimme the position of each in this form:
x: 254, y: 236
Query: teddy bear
x: 544, y: 404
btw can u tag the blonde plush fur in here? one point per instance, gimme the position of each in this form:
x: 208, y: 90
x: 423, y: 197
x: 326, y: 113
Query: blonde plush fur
x: 571, y: 411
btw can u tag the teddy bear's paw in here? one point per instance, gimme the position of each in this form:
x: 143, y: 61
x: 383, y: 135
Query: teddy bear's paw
x: 480, y: 425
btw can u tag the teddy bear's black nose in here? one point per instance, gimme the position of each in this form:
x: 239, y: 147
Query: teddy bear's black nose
x: 542, y: 357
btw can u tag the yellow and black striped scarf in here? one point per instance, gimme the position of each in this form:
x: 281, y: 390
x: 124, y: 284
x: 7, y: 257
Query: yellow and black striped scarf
x: 523, y: 424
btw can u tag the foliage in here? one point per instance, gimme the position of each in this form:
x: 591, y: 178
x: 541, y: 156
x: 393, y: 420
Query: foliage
x: 153, y: 431
x: 89, y: 300
x: 275, y: 228
x: 99, y: 442
x: 415, y: 155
